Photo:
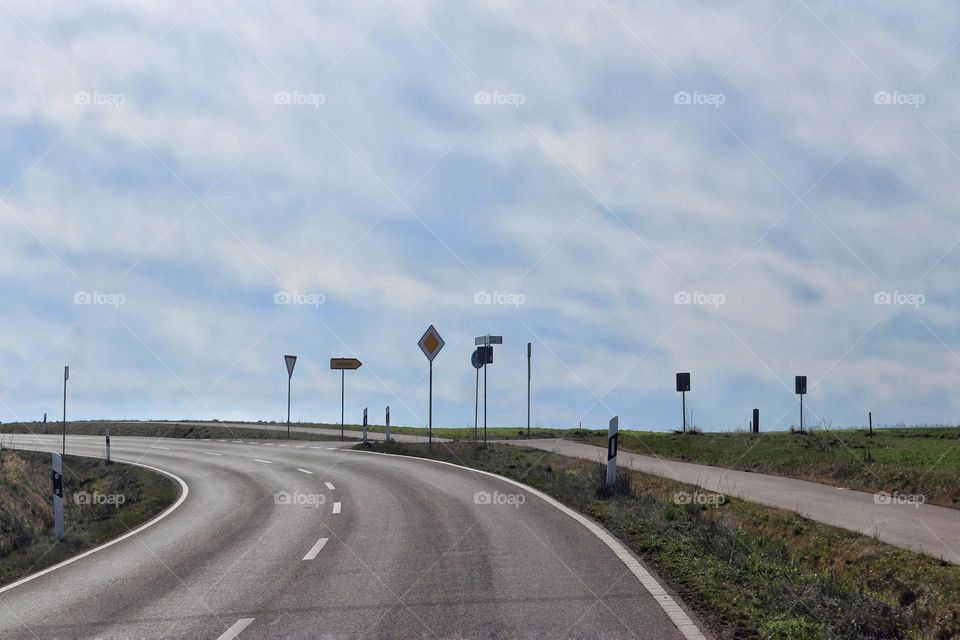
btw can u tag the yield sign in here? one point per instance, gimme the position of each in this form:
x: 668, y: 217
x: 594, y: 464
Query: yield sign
x: 431, y: 343
x: 291, y: 363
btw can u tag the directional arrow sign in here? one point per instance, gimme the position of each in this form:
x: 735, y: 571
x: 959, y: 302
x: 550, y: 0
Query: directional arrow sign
x: 291, y: 363
x: 345, y: 363
x: 431, y: 343
x: 487, y: 340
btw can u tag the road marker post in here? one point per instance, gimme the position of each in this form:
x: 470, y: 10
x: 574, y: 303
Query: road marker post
x: 613, y: 434
x: 430, y: 343
x: 66, y: 376
x: 342, y: 365
x: 800, y: 386
x: 756, y: 420
x: 364, y: 426
x: 870, y: 418
x: 387, y: 438
x: 57, y: 476
x: 683, y: 385
x: 291, y: 362
x: 108, y: 446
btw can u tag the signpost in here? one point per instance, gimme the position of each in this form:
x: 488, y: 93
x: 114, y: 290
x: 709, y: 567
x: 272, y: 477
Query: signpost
x: 529, y: 352
x: 683, y: 385
x: 800, y: 384
x: 291, y: 363
x: 477, y: 364
x: 342, y: 365
x: 485, y: 353
x: 57, y: 476
x: 612, y: 437
x: 430, y: 343
x: 387, y: 438
x: 66, y: 376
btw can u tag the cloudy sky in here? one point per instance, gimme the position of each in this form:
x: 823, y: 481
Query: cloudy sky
x: 746, y: 191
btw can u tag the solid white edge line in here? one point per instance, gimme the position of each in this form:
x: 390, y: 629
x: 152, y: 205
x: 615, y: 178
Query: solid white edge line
x: 336, y: 507
x: 211, y: 453
x: 330, y: 486
x: 184, y: 491
x: 263, y: 461
x: 315, y: 549
x: 235, y: 629
x: 309, y: 473
x: 674, y: 611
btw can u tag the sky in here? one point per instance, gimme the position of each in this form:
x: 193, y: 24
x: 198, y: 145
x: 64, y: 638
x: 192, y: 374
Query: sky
x: 746, y: 191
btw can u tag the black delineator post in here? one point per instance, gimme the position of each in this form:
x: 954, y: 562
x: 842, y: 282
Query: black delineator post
x: 756, y: 420
x: 871, y: 422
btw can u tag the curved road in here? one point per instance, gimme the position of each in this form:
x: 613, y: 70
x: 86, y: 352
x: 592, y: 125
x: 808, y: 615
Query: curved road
x: 299, y: 539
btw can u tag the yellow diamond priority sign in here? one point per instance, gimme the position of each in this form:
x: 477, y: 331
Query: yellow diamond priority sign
x: 431, y: 343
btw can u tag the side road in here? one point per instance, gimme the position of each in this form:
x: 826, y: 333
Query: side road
x: 928, y: 529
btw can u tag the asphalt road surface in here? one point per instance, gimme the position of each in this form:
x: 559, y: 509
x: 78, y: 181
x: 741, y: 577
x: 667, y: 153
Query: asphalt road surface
x: 298, y: 539
x: 926, y: 528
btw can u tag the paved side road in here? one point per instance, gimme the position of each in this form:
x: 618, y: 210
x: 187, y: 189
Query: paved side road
x: 298, y: 539
x: 928, y: 529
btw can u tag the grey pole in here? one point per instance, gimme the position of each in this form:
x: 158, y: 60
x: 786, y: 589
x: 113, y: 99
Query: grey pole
x: 57, y: 474
x: 476, y: 406
x: 484, y: 403
x: 288, y: 406
x: 801, y: 412
x: 341, y: 403
x: 66, y: 376
x: 430, y: 414
x: 529, y: 352
x: 871, y: 422
x: 387, y: 438
x: 684, y: 394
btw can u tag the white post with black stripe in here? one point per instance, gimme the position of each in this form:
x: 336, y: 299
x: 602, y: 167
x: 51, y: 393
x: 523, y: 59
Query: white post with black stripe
x: 108, y: 446
x: 612, y: 451
x: 388, y: 424
x: 57, y: 476
x: 364, y: 426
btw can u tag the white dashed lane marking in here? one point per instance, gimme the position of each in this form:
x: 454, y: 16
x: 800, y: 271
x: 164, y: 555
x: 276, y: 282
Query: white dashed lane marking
x: 235, y: 629
x: 316, y: 549
x: 330, y: 486
x: 336, y: 507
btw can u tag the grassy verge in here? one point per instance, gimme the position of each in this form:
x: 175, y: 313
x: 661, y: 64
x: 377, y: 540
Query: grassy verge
x: 101, y: 502
x: 163, y: 430
x: 749, y: 571
x: 918, y: 461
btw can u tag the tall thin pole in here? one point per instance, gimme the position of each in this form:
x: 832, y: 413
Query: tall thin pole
x: 684, y: 394
x: 529, y: 351
x: 485, y: 402
x: 476, y: 407
x: 801, y: 412
x: 430, y: 412
x: 63, y: 449
x: 871, y: 423
x: 288, y: 407
x: 341, y: 403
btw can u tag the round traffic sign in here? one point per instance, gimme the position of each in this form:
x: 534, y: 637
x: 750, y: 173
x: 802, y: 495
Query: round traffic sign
x: 475, y: 359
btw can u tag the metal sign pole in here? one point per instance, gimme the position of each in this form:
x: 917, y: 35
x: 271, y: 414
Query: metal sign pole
x: 66, y: 376
x: 484, y: 404
x: 430, y: 412
x: 801, y: 412
x: 288, y: 406
x: 341, y: 403
x: 684, y: 394
x: 529, y: 352
x: 476, y: 407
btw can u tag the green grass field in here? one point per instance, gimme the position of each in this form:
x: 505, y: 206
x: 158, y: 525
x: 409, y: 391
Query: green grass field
x: 27, y: 543
x: 154, y: 430
x: 748, y: 571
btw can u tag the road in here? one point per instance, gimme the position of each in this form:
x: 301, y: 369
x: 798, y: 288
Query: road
x: 279, y: 539
x: 926, y: 528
